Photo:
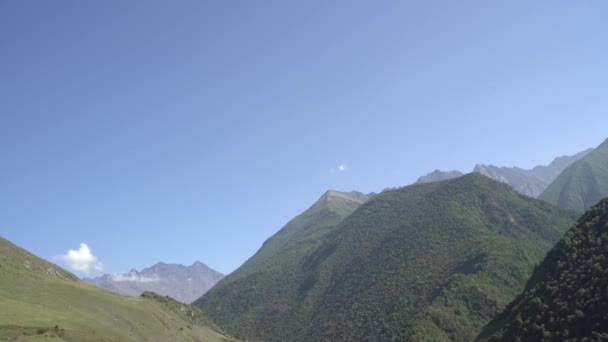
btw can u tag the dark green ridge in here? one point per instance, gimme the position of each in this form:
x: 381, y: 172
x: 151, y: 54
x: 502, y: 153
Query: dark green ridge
x: 582, y: 184
x: 425, y: 262
x: 567, y: 296
x: 260, y: 291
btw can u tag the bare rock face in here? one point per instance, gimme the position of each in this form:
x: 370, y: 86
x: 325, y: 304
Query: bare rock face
x: 184, y: 283
x: 527, y: 182
x: 438, y: 175
x: 530, y: 182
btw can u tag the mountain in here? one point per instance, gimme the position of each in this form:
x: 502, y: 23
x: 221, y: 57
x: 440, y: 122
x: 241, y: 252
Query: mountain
x: 429, y: 261
x: 530, y: 182
x: 583, y: 183
x: 438, y: 175
x: 266, y: 286
x: 567, y: 296
x: 184, y: 283
x: 39, y: 300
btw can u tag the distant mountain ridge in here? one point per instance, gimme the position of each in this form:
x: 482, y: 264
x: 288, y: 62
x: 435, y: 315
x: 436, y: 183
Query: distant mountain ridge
x: 184, y: 283
x: 530, y: 182
x: 583, y: 183
x: 438, y: 175
x: 534, y: 181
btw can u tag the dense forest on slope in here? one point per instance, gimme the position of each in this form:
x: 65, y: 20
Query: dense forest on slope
x: 567, y: 296
x: 39, y: 300
x: 583, y: 183
x: 429, y: 261
x: 258, y: 294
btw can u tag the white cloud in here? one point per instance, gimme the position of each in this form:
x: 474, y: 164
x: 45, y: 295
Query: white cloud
x: 81, y: 260
x: 118, y: 277
x: 339, y: 168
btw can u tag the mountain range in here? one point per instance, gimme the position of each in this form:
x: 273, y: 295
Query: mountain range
x: 583, y: 183
x: 452, y: 257
x: 530, y: 182
x: 429, y: 261
x: 184, y: 283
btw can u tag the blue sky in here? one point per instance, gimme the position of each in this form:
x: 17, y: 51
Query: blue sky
x: 193, y: 130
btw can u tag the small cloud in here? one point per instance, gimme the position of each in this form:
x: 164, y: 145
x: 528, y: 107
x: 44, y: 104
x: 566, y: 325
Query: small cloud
x: 339, y: 168
x: 81, y: 260
x: 119, y: 277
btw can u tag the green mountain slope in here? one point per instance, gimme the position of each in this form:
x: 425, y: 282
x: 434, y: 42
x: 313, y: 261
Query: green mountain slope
x: 567, y: 297
x: 583, y: 183
x: 429, y: 261
x: 39, y: 300
x: 255, y: 297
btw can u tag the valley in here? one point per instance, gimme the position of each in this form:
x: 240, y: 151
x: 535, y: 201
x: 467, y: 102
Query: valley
x: 303, y: 171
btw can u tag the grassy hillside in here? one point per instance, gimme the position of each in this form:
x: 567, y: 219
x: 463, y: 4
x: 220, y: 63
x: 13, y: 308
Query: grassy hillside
x: 583, y: 183
x: 431, y: 261
x: 567, y: 297
x: 41, y: 301
x: 255, y: 297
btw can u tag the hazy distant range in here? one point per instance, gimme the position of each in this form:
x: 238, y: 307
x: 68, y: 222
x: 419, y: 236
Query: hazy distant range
x: 184, y: 283
x: 530, y: 182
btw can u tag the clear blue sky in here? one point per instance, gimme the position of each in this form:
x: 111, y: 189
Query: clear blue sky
x: 193, y: 130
